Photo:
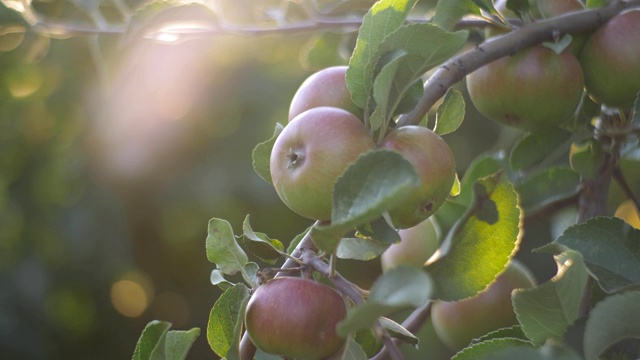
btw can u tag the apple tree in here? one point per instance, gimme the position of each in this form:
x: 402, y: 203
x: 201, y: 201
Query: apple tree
x: 365, y: 156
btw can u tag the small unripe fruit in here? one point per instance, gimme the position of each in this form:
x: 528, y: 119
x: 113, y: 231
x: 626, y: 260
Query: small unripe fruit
x: 435, y: 165
x: 611, y: 61
x: 295, y: 318
x: 312, y: 151
x: 327, y: 87
x: 532, y: 90
x: 457, y: 323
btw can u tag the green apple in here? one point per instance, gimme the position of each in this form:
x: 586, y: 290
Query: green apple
x: 434, y: 163
x: 312, y: 151
x: 416, y: 246
x: 611, y: 61
x: 295, y: 318
x: 327, y: 87
x: 532, y: 90
x: 457, y: 323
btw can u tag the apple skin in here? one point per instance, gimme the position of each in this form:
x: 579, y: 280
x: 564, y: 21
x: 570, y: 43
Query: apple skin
x: 327, y: 87
x: 457, y: 323
x: 416, y: 246
x: 532, y: 90
x: 312, y: 151
x: 611, y: 61
x: 553, y: 8
x: 295, y: 318
x: 433, y: 160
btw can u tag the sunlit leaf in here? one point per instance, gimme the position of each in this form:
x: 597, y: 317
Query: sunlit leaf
x: 225, y: 321
x: 260, y: 245
x: 261, y: 155
x: 481, y: 166
x: 480, y: 245
x: 322, y: 51
x: 450, y: 113
x: 549, y: 309
x: 376, y: 182
x: 449, y: 12
x: 611, y: 320
x: 151, y: 340
x: 398, y: 331
x: 509, y: 349
x: 223, y: 249
x: 610, y: 248
x: 381, y: 20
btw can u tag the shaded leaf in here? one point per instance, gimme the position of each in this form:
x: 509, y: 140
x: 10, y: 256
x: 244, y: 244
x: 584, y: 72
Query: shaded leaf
x: 386, y: 91
x: 587, y: 158
x: 360, y: 249
x: 480, y: 245
x: 296, y: 240
x: 548, y: 186
x: 398, y: 331
x: 217, y: 279
x: 481, y: 166
x: 488, y: 349
x: 514, y: 332
x: 450, y: 113
x: 400, y: 288
x: 610, y: 248
x: 376, y: 182
x: 549, y: 309
x: 225, y: 321
x: 533, y: 148
x: 223, y: 249
x: 449, y: 12
x: 260, y: 245
x: 382, y: 19
x: 353, y: 351
x: 368, y: 342
x: 178, y: 343
x: 380, y: 231
x: 261, y: 155
x: 611, y: 320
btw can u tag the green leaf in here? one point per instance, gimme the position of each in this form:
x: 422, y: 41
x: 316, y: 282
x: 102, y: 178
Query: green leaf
x: 398, y: 331
x: 296, y: 240
x: 488, y: 349
x: 178, y: 343
x: 360, y: 249
x: 558, y: 46
x: 509, y: 349
x: 611, y: 320
x: 323, y: 50
x: 368, y: 342
x: 610, y: 248
x: 596, y: 3
x: 353, y: 351
x: 387, y: 92
x: 261, y: 155
x: 514, y: 332
x: 260, y: 245
x: 382, y: 19
x: 375, y: 183
x: 549, y: 309
x: 481, y: 166
x: 151, y: 340
x: 217, y: 279
x: 518, y: 7
x: 480, y: 245
x: 547, y: 187
x: 449, y: 12
x: 402, y: 287
x: 222, y: 248
x: 225, y: 321
x: 635, y: 120
x: 380, y: 231
x: 450, y: 113
x: 587, y: 158
x: 533, y: 148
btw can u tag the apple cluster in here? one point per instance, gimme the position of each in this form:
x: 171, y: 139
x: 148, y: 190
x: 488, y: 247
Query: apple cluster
x: 325, y: 134
x: 537, y: 88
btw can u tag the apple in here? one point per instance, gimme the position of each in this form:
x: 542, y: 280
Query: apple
x: 553, y: 8
x: 295, y: 318
x: 433, y: 160
x: 416, y: 246
x: 327, y: 87
x: 628, y: 212
x: 309, y: 155
x: 532, y: 90
x: 611, y: 61
x: 457, y: 323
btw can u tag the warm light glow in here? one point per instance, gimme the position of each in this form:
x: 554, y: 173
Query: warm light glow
x: 24, y: 82
x: 129, y: 298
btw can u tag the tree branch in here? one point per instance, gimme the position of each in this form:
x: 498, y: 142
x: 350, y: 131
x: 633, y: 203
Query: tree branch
x: 535, y: 33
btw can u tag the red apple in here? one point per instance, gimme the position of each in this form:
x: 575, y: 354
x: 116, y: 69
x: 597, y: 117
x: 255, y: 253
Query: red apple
x: 295, y: 318
x: 531, y: 90
x: 457, y: 323
x: 416, y: 246
x: 327, y: 87
x: 312, y: 151
x: 433, y: 160
x: 611, y: 61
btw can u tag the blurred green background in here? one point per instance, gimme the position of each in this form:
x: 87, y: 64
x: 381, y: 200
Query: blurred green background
x: 114, y: 155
